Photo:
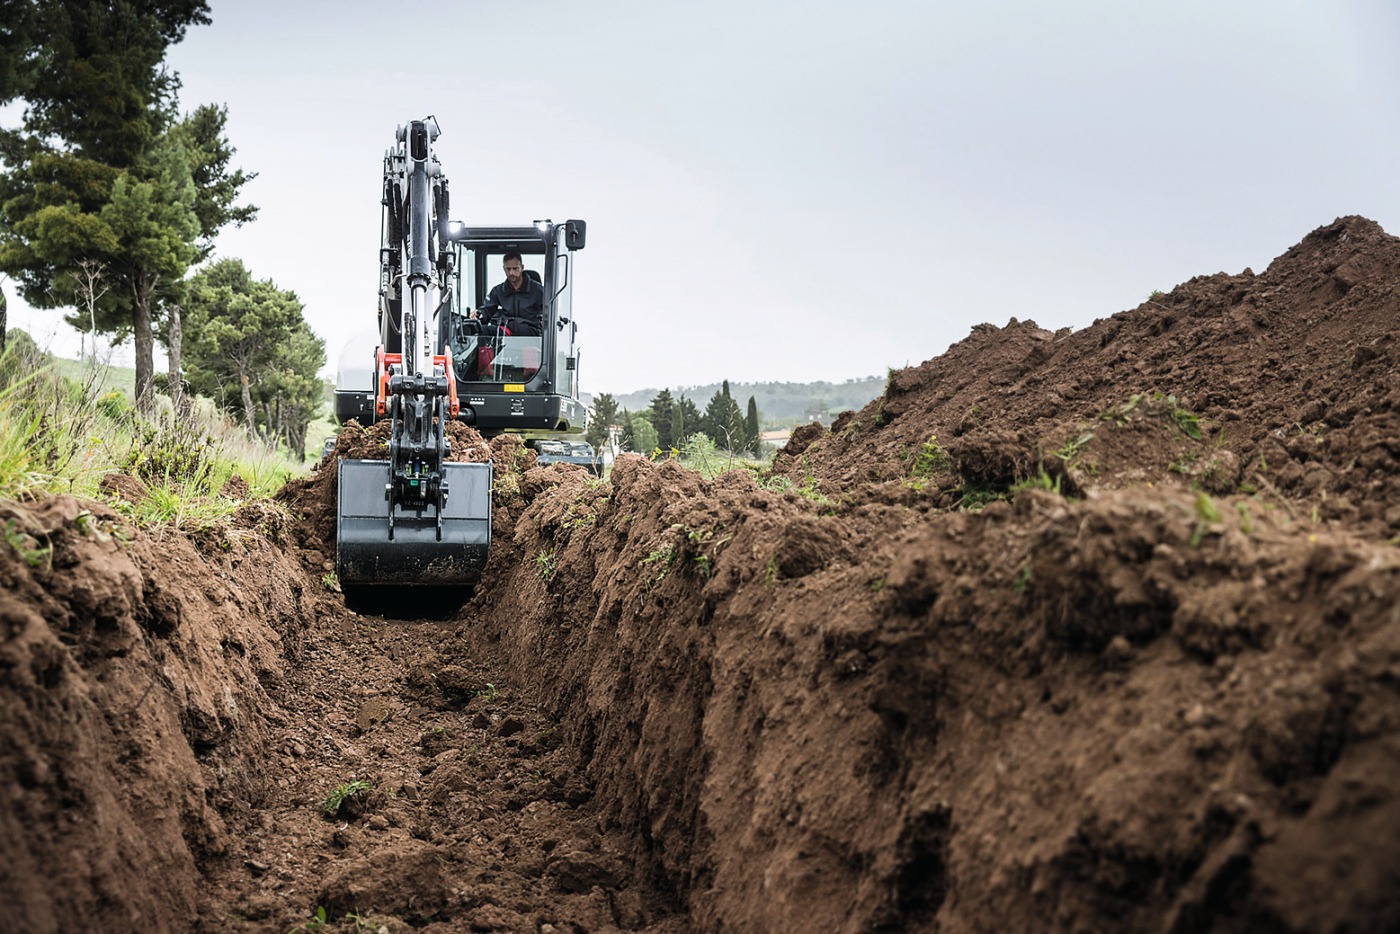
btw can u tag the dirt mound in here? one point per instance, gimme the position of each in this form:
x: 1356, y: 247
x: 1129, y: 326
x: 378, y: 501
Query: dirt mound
x: 1284, y: 382
x: 133, y: 674
x: 1164, y: 701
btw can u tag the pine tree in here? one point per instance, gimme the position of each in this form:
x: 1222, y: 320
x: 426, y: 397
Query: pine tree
x: 753, y: 442
x: 601, y: 419
x: 661, y: 404
x: 101, y: 170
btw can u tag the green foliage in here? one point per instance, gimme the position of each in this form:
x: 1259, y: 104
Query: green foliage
x: 1071, y: 450
x: 1181, y: 417
x: 1119, y: 415
x: 930, y: 459
x: 102, y: 171
x: 603, y: 415
x: 724, y: 423
x: 488, y: 693
x: 639, y: 435
x: 1040, y: 480
x: 1022, y: 581
x: 660, y: 417
x: 545, y: 562
x: 333, y: 802
x: 316, y: 925
x: 27, y: 546
x: 753, y: 442
x: 173, y: 452
x: 253, y: 353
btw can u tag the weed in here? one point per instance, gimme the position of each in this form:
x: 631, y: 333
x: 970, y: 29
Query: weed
x: 488, y: 693
x: 362, y: 924
x: 972, y: 497
x: 1039, y: 481
x: 1246, y: 520
x: 1206, y: 510
x: 877, y: 584
x: 777, y: 483
x: 1120, y: 414
x: 663, y: 558
x: 27, y: 546
x: 1154, y: 294
x: 331, y: 806
x: 770, y: 573
x: 316, y: 925
x: 1023, y: 579
x: 545, y: 562
x: 331, y: 581
x: 930, y: 459
x: 89, y: 527
x: 1183, y: 418
x: 1070, y: 450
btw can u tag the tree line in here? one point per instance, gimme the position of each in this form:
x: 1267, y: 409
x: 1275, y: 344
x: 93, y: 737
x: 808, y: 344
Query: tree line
x: 110, y: 197
x: 670, y: 419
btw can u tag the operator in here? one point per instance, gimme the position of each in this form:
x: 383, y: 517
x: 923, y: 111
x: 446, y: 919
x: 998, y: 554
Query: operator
x: 517, y: 303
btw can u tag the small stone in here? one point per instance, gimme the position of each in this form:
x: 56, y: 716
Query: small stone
x: 378, y: 822
x: 481, y: 721
x: 299, y: 750
x: 1196, y: 716
x: 509, y: 727
x: 257, y: 867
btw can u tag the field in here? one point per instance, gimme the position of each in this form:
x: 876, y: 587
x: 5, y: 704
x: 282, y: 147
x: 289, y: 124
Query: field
x: 1083, y: 631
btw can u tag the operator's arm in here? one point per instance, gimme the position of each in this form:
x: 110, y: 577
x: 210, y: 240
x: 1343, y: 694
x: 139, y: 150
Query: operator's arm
x: 491, y: 307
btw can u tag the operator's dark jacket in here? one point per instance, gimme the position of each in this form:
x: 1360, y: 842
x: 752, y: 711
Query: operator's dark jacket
x: 522, y: 311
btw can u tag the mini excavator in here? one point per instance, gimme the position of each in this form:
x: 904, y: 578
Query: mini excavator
x: 415, y: 517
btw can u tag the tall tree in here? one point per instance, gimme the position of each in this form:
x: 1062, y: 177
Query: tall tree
x: 102, y: 171
x: 601, y: 420
x: 290, y: 391
x: 691, y: 416
x: 753, y: 441
x: 723, y: 421
x: 661, y: 419
x: 241, y: 329
x: 677, y: 425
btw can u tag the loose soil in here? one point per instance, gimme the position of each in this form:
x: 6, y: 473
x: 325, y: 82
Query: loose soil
x: 1067, y: 631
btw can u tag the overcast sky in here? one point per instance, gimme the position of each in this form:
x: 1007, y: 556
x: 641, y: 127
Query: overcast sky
x: 809, y: 190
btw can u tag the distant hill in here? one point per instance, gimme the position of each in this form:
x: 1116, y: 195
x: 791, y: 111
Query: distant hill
x: 778, y: 403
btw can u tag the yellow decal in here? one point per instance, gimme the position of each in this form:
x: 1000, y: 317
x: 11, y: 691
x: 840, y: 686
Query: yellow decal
x: 515, y: 387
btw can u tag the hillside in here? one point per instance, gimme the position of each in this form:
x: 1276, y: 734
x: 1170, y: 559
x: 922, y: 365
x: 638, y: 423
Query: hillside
x: 778, y: 403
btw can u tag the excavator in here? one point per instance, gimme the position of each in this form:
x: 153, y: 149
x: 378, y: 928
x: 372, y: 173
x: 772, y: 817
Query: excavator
x: 415, y: 517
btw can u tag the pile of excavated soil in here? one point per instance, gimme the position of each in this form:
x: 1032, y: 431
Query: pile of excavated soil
x: 1166, y: 699
x: 1089, y: 631
x: 1290, y: 376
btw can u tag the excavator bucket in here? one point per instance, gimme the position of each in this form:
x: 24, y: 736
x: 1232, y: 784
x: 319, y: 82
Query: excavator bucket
x: 404, y: 544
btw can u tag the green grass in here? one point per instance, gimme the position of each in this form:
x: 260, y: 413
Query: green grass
x: 64, y: 426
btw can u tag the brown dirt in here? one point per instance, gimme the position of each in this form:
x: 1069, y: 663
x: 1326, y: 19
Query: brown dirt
x: 834, y: 698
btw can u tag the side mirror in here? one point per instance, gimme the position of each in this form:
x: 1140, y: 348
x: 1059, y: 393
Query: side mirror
x: 575, y: 234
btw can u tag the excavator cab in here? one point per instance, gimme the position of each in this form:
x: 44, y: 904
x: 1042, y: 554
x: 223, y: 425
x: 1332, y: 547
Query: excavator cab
x: 515, y: 381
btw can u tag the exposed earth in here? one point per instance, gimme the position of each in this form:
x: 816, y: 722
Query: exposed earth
x: 1080, y: 631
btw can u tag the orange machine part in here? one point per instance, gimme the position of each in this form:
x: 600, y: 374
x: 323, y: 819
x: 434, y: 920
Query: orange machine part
x: 382, y: 362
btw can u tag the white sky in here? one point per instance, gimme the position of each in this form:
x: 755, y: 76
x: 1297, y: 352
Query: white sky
x: 784, y: 190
